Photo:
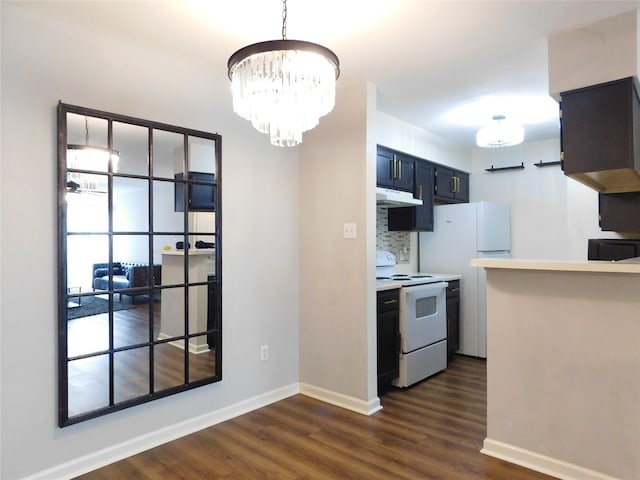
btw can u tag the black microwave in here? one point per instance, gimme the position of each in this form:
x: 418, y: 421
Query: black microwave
x: 613, y: 248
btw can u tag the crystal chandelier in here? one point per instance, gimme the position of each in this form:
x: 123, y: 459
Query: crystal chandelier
x: 89, y: 157
x: 283, y: 86
x: 500, y: 133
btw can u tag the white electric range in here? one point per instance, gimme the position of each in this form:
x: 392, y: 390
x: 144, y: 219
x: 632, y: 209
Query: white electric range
x: 423, y: 320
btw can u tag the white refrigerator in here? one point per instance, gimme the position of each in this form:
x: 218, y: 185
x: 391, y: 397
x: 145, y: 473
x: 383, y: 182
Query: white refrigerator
x: 464, y: 231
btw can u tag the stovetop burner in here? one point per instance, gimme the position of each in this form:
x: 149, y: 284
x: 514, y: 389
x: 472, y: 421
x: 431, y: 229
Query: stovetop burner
x: 411, y: 279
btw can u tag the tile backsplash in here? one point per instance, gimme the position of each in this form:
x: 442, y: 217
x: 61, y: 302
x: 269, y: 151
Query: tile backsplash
x: 395, y: 242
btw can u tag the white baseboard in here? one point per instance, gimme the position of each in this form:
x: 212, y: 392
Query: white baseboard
x: 88, y: 463
x: 195, y: 349
x: 340, y: 400
x: 540, y: 463
x: 131, y: 447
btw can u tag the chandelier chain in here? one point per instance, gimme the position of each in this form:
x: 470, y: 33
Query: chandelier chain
x: 86, y: 130
x: 284, y: 19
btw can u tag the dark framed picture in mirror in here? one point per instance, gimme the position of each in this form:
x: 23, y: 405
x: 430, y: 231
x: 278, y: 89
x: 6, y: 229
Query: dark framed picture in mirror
x: 138, y: 318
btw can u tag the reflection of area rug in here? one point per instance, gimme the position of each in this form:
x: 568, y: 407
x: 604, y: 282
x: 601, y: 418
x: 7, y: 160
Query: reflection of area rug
x: 94, y: 306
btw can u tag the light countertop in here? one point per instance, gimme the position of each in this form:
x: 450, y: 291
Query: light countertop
x: 382, y: 285
x: 192, y: 251
x: 623, y: 266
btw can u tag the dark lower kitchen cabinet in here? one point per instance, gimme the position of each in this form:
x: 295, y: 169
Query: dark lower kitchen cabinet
x: 394, y: 170
x: 388, y: 338
x: 418, y: 218
x: 620, y: 212
x: 212, y: 310
x: 453, y: 317
x: 451, y: 186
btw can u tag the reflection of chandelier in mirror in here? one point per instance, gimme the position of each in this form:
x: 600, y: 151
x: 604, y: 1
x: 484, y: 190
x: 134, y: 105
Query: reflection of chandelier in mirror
x: 89, y: 157
x: 500, y: 133
x: 283, y: 86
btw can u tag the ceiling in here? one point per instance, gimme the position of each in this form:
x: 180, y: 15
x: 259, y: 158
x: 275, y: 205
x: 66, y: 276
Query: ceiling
x: 444, y: 66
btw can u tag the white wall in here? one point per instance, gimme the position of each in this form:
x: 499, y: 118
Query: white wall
x: 337, y: 180
x: 596, y: 53
x: 552, y: 216
x: 44, y: 61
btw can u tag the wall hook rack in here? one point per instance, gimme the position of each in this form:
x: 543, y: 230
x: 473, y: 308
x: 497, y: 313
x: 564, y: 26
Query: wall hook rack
x: 547, y: 164
x: 500, y: 169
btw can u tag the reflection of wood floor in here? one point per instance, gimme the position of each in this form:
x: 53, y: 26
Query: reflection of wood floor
x: 433, y: 430
x: 89, y: 377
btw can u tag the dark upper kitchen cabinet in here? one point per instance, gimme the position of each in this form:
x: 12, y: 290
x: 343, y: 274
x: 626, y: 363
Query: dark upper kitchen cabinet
x: 388, y: 338
x: 600, y: 136
x: 620, y: 212
x: 451, y: 185
x: 418, y: 218
x: 394, y: 170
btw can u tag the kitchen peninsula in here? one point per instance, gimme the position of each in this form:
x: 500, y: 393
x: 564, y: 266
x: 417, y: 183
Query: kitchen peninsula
x: 201, y: 267
x: 563, y: 366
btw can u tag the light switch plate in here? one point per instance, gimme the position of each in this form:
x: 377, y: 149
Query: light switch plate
x: 350, y: 230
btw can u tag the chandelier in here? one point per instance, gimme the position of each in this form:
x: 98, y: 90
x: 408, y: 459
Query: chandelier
x: 283, y: 86
x: 89, y: 157
x: 500, y: 133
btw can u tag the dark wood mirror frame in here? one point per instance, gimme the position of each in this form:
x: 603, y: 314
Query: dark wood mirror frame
x: 140, y: 275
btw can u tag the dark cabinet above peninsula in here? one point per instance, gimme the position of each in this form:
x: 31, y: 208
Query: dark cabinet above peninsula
x: 600, y: 136
x: 620, y: 212
x: 600, y: 147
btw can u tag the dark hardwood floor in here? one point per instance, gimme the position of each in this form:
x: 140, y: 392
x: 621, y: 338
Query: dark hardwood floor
x: 88, y: 377
x: 433, y: 430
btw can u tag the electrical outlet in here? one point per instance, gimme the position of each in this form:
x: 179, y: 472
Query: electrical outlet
x: 349, y: 230
x: 264, y: 352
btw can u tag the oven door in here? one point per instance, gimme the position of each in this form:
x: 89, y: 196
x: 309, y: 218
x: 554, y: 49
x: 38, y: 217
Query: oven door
x: 423, y: 317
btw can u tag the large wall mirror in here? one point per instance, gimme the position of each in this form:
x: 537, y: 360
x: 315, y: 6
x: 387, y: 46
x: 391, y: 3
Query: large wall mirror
x: 140, y: 270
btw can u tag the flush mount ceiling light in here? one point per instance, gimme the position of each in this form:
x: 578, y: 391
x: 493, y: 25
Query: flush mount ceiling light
x: 283, y: 86
x: 500, y: 133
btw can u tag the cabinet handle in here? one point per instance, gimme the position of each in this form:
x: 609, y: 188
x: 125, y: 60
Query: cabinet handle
x: 420, y: 192
x: 399, y: 169
x: 454, y: 290
x: 390, y: 302
x: 456, y: 184
x: 395, y: 167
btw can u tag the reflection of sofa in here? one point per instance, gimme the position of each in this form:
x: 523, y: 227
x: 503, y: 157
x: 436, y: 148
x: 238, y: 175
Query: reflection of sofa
x: 125, y: 275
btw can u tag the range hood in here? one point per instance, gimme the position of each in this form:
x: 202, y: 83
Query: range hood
x: 395, y: 198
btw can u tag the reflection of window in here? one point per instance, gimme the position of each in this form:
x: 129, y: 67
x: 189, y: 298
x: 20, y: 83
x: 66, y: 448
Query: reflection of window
x: 139, y: 318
